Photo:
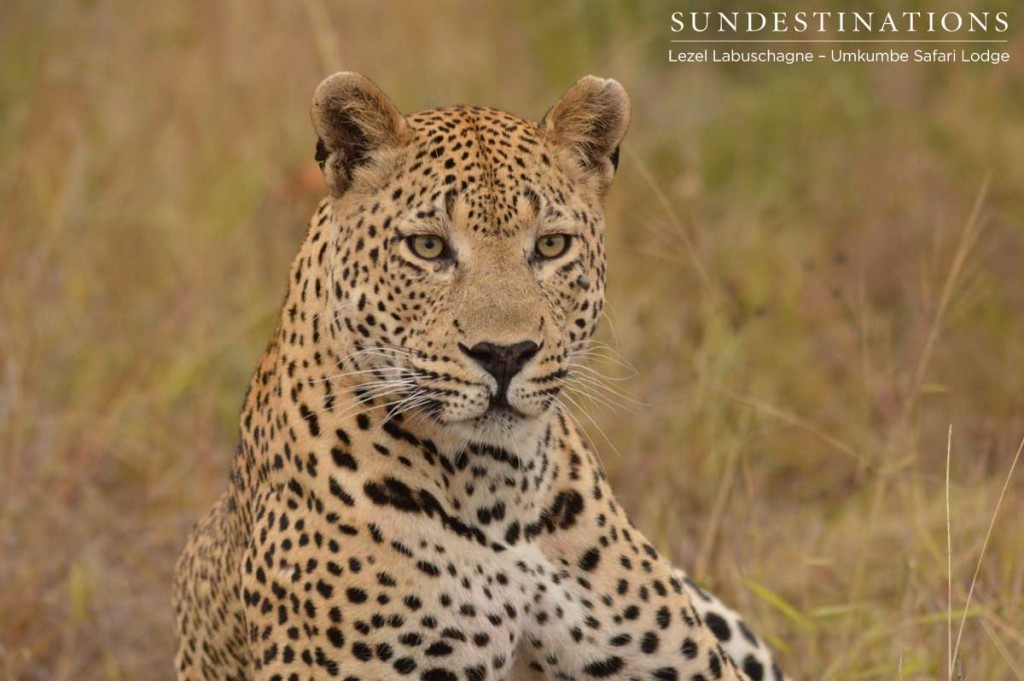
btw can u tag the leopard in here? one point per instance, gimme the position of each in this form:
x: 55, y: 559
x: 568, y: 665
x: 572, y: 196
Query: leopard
x: 411, y: 495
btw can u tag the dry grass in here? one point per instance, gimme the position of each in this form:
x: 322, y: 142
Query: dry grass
x: 808, y: 274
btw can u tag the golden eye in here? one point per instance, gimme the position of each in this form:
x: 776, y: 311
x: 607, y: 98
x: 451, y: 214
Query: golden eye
x: 427, y: 246
x: 553, y: 245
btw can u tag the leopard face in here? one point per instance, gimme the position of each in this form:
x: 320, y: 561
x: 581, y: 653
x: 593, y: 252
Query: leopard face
x: 463, y: 251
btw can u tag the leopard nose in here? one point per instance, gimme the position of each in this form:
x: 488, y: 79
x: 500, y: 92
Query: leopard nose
x: 502, y: 361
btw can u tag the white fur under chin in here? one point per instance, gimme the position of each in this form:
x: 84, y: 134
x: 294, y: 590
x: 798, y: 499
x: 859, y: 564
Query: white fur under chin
x: 505, y: 429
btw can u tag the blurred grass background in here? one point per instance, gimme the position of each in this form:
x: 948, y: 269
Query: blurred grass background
x: 796, y: 278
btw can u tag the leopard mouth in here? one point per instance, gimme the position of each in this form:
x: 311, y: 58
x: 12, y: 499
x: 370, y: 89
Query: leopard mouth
x: 498, y: 416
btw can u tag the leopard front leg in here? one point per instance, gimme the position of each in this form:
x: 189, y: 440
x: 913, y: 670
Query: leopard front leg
x: 606, y: 605
x: 746, y: 648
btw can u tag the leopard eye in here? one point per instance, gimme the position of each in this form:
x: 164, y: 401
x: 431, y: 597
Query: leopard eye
x: 427, y: 246
x: 552, y: 245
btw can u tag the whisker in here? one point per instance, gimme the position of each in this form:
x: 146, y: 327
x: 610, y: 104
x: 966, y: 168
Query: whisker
x: 598, y: 399
x: 568, y: 412
x: 359, y: 372
x: 598, y: 382
x: 593, y: 422
x: 417, y: 399
x: 573, y: 364
x: 363, y: 406
x: 591, y: 353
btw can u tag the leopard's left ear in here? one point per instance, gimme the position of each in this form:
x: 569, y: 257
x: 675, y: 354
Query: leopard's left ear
x: 590, y: 120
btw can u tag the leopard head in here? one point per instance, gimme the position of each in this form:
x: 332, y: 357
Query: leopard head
x: 459, y: 257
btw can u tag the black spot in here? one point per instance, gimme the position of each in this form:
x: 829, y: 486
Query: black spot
x: 604, y: 668
x: 455, y: 634
x: 689, y: 649
x: 393, y: 429
x: 666, y: 674
x: 590, y: 559
x: 753, y: 668
x: 439, y: 649
x: 649, y: 644
x: 567, y: 506
x: 664, y: 617
x: 355, y: 594
x: 747, y: 633
x: 438, y: 675
x: 311, y: 420
x: 405, y: 665
x: 431, y: 507
x: 339, y: 492
x: 392, y: 492
x: 361, y: 651
x: 428, y: 568
x: 714, y: 665
x: 411, y: 639
x: 512, y: 533
x: 343, y: 459
x: 718, y: 626
x: 620, y: 640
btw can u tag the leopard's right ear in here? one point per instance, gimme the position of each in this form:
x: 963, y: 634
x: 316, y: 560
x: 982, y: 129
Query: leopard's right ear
x: 589, y: 121
x: 354, y: 122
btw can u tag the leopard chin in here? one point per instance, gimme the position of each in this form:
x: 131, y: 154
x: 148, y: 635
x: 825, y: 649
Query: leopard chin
x: 500, y: 426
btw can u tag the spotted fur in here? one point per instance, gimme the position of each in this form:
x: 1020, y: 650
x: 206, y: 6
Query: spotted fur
x: 406, y: 501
